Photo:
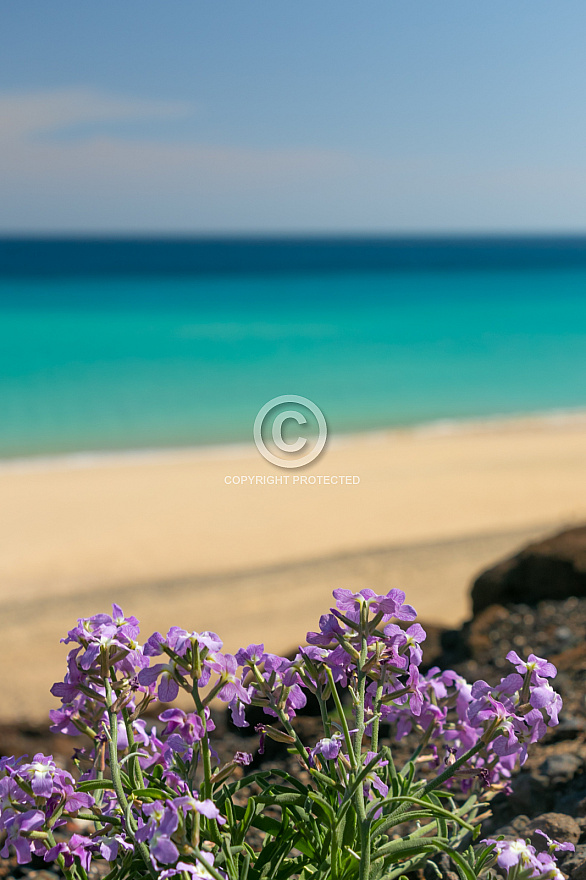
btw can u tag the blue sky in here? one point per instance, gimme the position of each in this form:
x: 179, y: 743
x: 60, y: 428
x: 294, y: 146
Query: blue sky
x: 264, y: 116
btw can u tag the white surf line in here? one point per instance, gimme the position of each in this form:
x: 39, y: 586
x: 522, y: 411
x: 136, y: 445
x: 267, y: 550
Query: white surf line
x: 551, y: 419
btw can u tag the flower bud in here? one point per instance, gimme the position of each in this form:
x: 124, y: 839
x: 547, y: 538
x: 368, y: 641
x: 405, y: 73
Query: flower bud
x: 279, y: 735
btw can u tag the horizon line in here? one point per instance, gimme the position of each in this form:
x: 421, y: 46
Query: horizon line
x: 98, y: 235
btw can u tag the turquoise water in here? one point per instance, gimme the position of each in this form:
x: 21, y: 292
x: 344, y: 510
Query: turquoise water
x: 118, y: 362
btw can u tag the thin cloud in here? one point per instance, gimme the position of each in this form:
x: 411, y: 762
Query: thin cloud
x: 128, y: 164
x: 108, y: 180
x: 26, y: 114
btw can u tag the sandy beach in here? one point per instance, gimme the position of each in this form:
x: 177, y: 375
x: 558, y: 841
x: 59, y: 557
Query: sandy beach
x: 172, y: 538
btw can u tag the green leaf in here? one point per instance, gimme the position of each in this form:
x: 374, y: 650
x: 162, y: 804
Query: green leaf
x: 154, y: 793
x: 318, y: 799
x: 283, y: 798
x: 326, y: 780
x: 268, y: 825
x: 95, y: 784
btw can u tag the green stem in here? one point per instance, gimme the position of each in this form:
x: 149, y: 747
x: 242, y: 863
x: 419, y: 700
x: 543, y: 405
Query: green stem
x: 115, y: 771
x: 206, y: 757
x: 209, y: 868
x: 323, y: 712
x: 433, y: 784
x: 204, y: 743
x: 280, y: 714
x: 449, y: 771
x: 360, y: 726
x: 422, y: 745
x: 376, y: 708
x: 343, y: 719
x: 135, y: 768
x: 364, y: 868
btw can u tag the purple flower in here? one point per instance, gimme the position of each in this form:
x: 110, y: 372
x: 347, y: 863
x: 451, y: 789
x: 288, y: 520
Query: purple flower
x: 189, y: 727
x: 346, y: 600
x: 162, y: 823
x: 553, y: 845
x: 238, y: 711
x: 515, y: 855
x: 115, y: 633
x: 254, y: 654
x: 544, y: 697
x: 329, y: 747
x: 44, y: 777
x: 40, y: 773
x: 168, y: 684
x: 198, y: 871
x: 180, y: 642
x: 225, y: 665
x: 407, y: 639
x: 128, y: 625
x: 206, y: 808
x: 329, y: 627
x: 76, y: 800
x: 373, y: 781
x: 417, y: 694
x: 109, y: 846
x: 548, y: 867
x: 16, y: 825
x: 82, y: 847
x: 153, y: 646
x: 535, y: 665
x: 63, y: 718
x: 487, y: 708
x: 513, y: 740
x: 262, y: 730
x: 512, y: 852
x: 243, y: 758
x: 391, y: 605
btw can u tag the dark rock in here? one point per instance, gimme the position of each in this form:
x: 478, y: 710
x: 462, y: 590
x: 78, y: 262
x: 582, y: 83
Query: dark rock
x: 531, y: 794
x: 40, y: 875
x: 480, y: 631
x: 574, y: 864
x: 580, y: 808
x: 561, y: 768
x: 558, y: 826
x: 554, y: 568
x: 516, y: 828
x: 571, y: 797
x: 442, y: 866
x: 572, y: 660
x: 568, y: 728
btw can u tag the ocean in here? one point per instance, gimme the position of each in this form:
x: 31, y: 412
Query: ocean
x: 135, y: 344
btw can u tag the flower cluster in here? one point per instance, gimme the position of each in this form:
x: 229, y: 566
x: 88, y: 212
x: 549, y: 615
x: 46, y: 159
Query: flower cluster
x: 515, y: 855
x: 453, y: 715
x: 152, y: 797
x: 35, y: 795
x: 106, y: 645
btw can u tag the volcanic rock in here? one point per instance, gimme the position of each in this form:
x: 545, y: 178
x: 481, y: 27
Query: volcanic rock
x: 553, y: 568
x: 558, y: 826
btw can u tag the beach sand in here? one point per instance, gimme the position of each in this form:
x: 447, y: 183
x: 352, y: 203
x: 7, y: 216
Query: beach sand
x: 168, y: 538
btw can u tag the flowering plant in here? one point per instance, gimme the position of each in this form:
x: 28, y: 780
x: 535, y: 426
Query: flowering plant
x: 153, y: 802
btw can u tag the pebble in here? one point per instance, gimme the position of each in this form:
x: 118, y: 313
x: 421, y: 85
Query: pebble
x: 561, y: 768
x: 574, y: 865
x: 558, y: 826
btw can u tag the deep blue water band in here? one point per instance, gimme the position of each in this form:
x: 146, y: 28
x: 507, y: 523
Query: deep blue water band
x: 67, y: 256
